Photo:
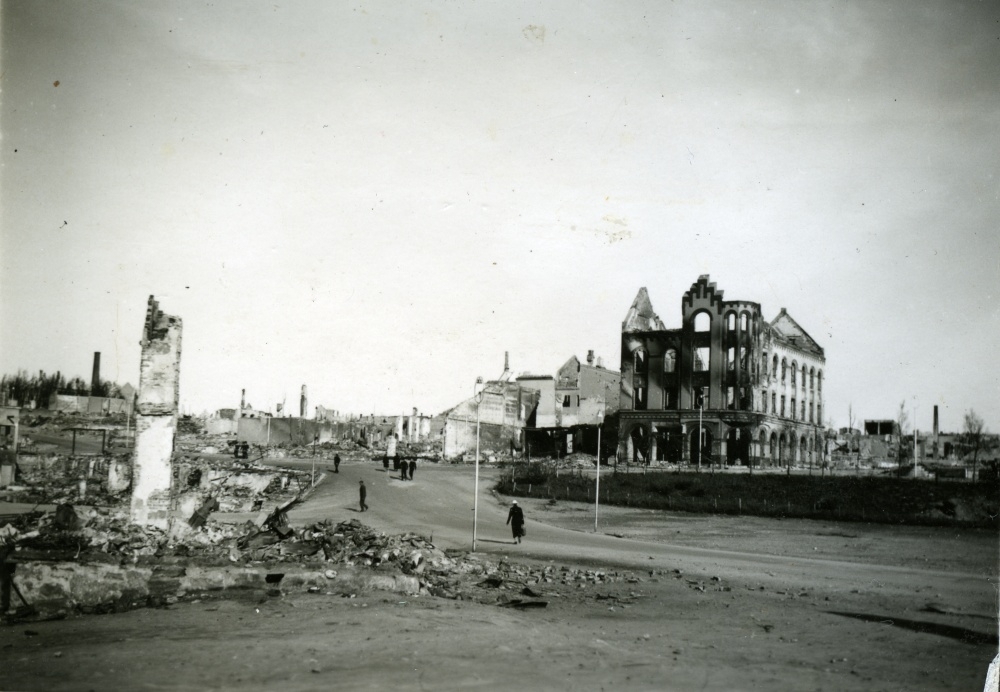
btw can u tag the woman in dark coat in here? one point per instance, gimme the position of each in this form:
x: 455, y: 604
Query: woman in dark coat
x: 515, y: 517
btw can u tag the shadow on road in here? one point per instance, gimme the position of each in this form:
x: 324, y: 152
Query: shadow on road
x: 959, y: 633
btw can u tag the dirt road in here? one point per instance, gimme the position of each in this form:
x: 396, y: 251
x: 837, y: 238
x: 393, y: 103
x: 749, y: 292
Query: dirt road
x: 725, y: 604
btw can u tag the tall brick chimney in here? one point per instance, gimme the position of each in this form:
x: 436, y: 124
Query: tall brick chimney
x: 95, y: 378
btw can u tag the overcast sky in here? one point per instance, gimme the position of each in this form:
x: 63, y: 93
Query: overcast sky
x: 379, y: 199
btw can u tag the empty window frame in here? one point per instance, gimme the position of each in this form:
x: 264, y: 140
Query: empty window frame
x: 802, y: 411
x: 793, y: 408
x: 730, y: 398
x: 763, y: 401
x: 774, y: 399
x: 763, y: 364
x: 702, y: 322
x: 641, y: 361
x: 782, y: 405
x: 566, y: 401
x: 794, y: 370
x: 784, y: 370
x: 744, y: 323
x: 731, y: 358
x: 670, y: 361
x: 701, y: 359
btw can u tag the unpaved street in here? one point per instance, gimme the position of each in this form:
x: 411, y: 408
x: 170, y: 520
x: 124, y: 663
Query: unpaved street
x: 717, y: 603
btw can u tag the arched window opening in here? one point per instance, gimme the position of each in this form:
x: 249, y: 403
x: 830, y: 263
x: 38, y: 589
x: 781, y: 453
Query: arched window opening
x: 670, y: 361
x: 784, y: 371
x: 702, y: 322
x: 819, y: 380
x: 763, y: 364
x: 793, y: 408
x: 803, y: 376
x: 763, y: 401
x: 802, y: 411
x: 812, y: 378
x: 774, y: 408
x: 811, y: 413
x: 794, y: 370
x: 731, y: 358
x: 744, y: 323
x: 731, y: 322
x: 774, y: 366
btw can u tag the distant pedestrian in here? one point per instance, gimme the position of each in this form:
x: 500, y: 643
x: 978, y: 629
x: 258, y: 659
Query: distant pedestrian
x: 402, y: 470
x: 385, y: 462
x: 336, y: 463
x: 413, y: 467
x: 515, y: 517
x: 364, y: 493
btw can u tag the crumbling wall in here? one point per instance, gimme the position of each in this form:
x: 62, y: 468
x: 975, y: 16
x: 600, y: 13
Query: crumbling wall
x: 156, y: 417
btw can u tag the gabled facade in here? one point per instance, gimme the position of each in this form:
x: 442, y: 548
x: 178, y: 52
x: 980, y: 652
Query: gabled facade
x: 727, y: 387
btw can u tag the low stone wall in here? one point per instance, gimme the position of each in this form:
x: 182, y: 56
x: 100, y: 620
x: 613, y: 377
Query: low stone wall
x: 66, y: 588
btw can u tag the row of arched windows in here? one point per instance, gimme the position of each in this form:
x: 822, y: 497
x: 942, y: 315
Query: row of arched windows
x: 812, y: 376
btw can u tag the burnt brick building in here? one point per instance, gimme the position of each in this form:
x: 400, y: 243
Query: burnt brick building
x: 727, y: 387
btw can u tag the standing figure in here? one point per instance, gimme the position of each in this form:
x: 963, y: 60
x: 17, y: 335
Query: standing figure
x: 402, y: 470
x: 515, y: 517
x: 413, y: 467
x: 364, y: 493
x: 385, y: 462
x: 336, y: 463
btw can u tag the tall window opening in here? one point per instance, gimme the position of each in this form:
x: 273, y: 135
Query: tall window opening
x: 702, y: 322
x: 701, y: 359
x: 670, y: 361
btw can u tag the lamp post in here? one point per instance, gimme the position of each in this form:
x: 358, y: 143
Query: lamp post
x: 701, y: 434
x: 597, y: 493
x: 478, y: 396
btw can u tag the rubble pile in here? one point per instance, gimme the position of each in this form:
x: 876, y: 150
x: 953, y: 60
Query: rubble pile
x: 56, y: 479
x: 577, y: 460
x: 96, y: 534
x: 241, y: 486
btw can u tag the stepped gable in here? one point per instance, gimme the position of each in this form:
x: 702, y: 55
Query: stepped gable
x: 790, y: 331
x: 702, y: 291
x: 641, y: 317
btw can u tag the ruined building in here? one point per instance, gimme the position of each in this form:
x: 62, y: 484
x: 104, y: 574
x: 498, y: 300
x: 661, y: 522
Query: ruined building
x: 570, y: 406
x: 156, y: 417
x: 755, y: 386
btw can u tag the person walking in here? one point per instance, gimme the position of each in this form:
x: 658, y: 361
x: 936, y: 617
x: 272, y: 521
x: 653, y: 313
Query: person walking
x: 336, y: 463
x: 385, y: 462
x: 413, y: 467
x: 363, y: 491
x: 515, y: 517
x: 402, y: 470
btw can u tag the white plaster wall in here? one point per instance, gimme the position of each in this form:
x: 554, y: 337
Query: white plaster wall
x: 154, y: 444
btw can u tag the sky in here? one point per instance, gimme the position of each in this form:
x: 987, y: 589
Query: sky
x: 378, y: 200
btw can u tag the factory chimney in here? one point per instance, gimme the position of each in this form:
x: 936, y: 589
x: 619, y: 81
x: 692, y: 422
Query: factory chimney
x: 95, y: 378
